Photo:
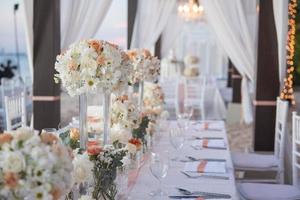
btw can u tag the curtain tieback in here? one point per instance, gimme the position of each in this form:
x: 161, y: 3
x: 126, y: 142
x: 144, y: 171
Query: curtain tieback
x: 45, y: 98
x: 236, y: 76
x: 264, y: 103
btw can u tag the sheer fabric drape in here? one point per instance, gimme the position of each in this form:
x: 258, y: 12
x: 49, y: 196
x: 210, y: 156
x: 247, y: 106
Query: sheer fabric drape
x: 230, y: 22
x: 151, y: 18
x: 80, y: 19
x: 280, y: 8
x: 172, y: 30
x: 27, y: 9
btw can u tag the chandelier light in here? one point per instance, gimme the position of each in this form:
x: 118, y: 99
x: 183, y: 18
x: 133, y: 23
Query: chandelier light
x: 190, y: 10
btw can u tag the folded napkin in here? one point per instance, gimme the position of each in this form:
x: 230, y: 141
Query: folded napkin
x: 209, y: 143
x: 205, y: 166
x: 209, y: 125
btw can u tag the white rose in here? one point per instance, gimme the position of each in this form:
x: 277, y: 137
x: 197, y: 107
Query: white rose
x: 82, y: 168
x: 120, y: 134
x: 23, y: 133
x: 13, y: 162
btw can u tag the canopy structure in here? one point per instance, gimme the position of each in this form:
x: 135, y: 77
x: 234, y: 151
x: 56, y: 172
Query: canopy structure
x: 231, y: 30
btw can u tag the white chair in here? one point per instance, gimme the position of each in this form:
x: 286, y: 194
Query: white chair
x: 260, y: 191
x: 15, y: 110
x: 262, y: 162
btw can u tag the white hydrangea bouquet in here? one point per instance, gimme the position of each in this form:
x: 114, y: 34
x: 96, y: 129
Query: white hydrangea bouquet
x: 153, y: 106
x: 33, y: 166
x: 153, y: 100
x: 125, y: 117
x: 91, y: 64
x: 146, y: 67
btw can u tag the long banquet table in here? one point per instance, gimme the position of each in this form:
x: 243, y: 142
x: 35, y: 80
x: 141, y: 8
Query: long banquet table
x: 144, y: 182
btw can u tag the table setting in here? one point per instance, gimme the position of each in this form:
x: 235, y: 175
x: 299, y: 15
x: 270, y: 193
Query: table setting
x: 204, y: 173
x: 125, y: 148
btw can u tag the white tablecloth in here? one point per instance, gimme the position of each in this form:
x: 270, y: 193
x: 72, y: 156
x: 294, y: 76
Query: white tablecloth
x: 146, y: 182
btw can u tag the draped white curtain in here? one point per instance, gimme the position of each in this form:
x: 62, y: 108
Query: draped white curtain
x: 151, y: 18
x: 80, y: 19
x: 229, y: 21
x: 280, y: 8
x: 171, y: 32
x: 27, y: 9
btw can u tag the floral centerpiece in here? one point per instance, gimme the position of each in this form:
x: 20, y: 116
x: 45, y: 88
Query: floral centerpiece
x: 125, y: 117
x: 33, y: 166
x: 89, y: 65
x: 153, y: 106
x: 105, y: 164
x: 146, y: 67
x: 153, y: 99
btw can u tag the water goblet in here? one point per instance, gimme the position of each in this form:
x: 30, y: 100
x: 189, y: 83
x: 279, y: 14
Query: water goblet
x: 159, y: 165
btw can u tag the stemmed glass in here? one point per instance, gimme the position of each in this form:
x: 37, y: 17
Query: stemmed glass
x: 159, y: 165
x: 188, y: 113
x: 177, y: 139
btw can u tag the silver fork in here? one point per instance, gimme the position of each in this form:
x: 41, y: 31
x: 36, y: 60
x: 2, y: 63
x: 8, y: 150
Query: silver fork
x: 205, y: 176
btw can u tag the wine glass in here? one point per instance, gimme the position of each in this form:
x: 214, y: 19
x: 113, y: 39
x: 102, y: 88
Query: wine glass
x: 188, y: 113
x: 159, y: 165
x: 177, y: 139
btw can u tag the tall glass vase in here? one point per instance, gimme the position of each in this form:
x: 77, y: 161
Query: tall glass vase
x: 141, y: 95
x: 83, y: 121
x: 106, y: 117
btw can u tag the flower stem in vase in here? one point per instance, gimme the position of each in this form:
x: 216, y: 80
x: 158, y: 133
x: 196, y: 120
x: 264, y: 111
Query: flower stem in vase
x: 141, y: 95
x: 106, y: 117
x: 83, y: 120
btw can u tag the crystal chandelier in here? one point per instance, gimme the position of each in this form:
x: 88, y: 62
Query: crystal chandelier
x: 191, y: 10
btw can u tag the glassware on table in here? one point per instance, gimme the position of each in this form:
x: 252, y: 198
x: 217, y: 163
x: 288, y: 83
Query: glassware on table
x: 177, y: 139
x: 159, y: 165
x: 122, y: 182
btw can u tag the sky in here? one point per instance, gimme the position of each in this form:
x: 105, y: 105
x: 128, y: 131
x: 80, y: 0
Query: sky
x: 114, y: 26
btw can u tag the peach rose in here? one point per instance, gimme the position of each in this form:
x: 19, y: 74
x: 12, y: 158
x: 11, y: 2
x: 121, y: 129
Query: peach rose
x: 72, y: 65
x: 122, y: 98
x: 5, y: 138
x: 74, y: 134
x: 56, y: 193
x: 95, y: 44
x: 11, y: 179
x: 131, y: 54
x: 146, y: 53
x: 101, y: 60
x: 125, y: 56
x: 48, y: 138
x: 93, y: 148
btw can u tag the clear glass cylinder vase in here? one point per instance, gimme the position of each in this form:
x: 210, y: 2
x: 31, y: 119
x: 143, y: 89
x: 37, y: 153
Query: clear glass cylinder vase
x: 106, y: 118
x: 141, y: 95
x: 83, y: 121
